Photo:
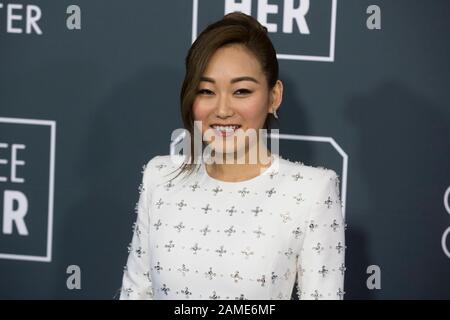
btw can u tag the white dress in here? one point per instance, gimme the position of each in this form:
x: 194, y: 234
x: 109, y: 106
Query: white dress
x: 203, y: 238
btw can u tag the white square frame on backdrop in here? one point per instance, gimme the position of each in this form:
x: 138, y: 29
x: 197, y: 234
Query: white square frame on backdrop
x: 284, y: 56
x: 51, y: 179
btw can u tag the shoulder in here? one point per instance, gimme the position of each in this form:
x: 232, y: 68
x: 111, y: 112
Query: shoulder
x: 311, y: 172
x: 322, y: 184
x: 317, y: 177
x: 161, y: 161
x: 159, y: 167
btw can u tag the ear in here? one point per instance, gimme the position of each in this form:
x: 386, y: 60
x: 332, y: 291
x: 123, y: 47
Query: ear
x: 276, y: 96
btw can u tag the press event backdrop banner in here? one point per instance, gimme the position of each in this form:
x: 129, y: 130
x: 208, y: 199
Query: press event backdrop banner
x: 89, y: 92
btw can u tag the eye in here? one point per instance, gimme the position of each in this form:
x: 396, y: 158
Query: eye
x: 241, y: 92
x: 205, y: 91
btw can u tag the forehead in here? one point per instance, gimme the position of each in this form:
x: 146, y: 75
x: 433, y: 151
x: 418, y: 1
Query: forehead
x: 232, y: 61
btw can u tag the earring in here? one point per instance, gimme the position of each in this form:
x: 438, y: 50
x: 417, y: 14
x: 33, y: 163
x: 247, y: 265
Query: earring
x: 275, y: 113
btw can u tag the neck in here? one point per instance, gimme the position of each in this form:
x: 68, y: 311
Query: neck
x: 240, y: 170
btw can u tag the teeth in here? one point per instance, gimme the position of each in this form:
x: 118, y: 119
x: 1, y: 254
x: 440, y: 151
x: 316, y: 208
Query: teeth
x: 226, y: 128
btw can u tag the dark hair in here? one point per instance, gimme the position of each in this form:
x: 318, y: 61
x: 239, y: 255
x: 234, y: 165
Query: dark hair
x: 233, y: 28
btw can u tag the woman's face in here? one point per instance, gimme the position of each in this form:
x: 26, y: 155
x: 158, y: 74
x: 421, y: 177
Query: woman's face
x: 233, y: 92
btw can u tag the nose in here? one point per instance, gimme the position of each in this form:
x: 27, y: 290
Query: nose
x: 223, y: 109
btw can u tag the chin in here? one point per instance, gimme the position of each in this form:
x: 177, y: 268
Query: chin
x: 228, y: 150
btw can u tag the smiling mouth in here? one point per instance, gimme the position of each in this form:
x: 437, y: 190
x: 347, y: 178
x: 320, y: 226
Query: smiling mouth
x: 225, y: 130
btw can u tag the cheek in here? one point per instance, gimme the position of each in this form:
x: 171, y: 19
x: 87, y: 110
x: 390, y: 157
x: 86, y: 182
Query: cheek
x: 254, y: 112
x: 200, y: 112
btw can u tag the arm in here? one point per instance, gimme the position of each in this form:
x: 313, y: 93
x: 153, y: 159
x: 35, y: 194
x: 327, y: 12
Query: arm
x: 321, y: 262
x: 137, y: 282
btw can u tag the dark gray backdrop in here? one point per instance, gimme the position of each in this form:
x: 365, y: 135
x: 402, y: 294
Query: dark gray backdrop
x: 112, y: 89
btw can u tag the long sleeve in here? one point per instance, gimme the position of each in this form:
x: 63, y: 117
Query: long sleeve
x: 321, y: 261
x: 137, y: 282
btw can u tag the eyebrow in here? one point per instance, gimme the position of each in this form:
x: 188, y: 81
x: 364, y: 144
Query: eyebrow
x: 234, y: 80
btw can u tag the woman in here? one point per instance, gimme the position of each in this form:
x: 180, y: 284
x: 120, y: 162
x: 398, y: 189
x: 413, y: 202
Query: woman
x: 227, y: 230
